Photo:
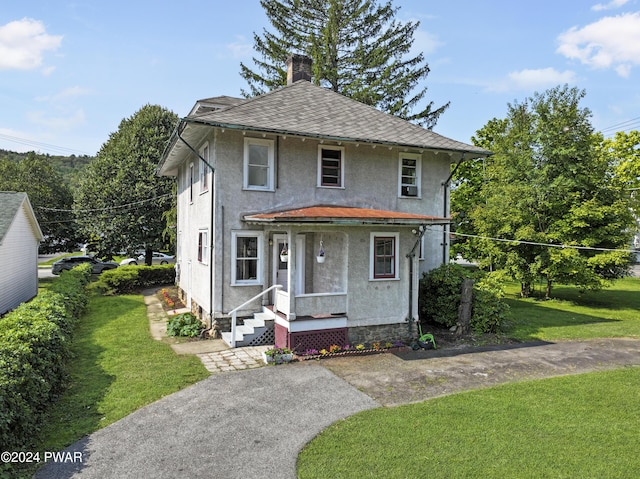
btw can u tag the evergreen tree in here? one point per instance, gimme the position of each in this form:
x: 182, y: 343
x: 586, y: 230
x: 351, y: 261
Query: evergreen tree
x: 358, y: 49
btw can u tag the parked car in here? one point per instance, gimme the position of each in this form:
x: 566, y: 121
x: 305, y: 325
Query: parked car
x: 70, y: 262
x: 158, y: 258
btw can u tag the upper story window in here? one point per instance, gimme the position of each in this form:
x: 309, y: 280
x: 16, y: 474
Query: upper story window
x: 258, y: 164
x: 384, y: 256
x: 409, y: 175
x: 331, y: 166
x: 204, y: 169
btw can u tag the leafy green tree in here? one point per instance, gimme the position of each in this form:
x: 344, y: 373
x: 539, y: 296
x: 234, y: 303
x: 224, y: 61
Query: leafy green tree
x: 547, y: 184
x: 358, y: 49
x: 120, y: 201
x: 49, y: 195
x: 624, y: 151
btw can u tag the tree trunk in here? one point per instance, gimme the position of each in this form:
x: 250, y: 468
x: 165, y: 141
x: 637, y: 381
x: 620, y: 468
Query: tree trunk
x: 525, y: 290
x: 547, y: 294
x: 148, y: 256
x: 464, y: 310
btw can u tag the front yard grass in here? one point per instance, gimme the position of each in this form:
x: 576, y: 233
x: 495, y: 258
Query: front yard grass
x: 574, y: 315
x: 117, y: 368
x: 573, y: 426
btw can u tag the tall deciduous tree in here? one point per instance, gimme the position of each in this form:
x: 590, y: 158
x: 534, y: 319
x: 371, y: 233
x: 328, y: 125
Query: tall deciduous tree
x: 547, y: 184
x: 49, y: 195
x: 358, y: 49
x: 120, y: 201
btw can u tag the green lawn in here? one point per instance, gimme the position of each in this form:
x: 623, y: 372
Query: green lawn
x: 582, y: 426
x: 574, y: 426
x: 117, y: 369
x: 612, y: 312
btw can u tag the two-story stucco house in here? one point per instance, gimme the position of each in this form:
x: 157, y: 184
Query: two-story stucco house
x: 342, y: 205
x: 20, y: 236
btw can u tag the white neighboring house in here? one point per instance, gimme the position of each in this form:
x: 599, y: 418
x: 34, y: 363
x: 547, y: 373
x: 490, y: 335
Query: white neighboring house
x: 20, y: 236
x: 301, y: 169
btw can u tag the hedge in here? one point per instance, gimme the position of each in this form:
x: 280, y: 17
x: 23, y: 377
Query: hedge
x: 34, y: 347
x: 129, y: 279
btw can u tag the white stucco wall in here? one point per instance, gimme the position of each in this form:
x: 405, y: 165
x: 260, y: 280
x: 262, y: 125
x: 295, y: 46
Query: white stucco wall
x: 370, y: 180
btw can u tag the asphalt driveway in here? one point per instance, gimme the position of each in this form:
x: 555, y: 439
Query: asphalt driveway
x: 252, y: 423
x: 243, y: 424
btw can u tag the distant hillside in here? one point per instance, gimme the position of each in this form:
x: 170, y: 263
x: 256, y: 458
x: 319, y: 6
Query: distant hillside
x: 70, y: 167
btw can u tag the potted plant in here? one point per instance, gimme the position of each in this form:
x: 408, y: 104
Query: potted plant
x: 284, y: 254
x: 277, y: 355
x: 320, y: 256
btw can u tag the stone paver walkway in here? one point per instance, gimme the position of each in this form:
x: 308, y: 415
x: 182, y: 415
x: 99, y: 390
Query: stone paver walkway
x: 247, y: 357
x: 215, y: 354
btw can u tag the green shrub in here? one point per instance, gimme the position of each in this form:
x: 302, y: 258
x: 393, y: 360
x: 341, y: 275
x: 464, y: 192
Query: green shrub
x: 439, y: 298
x: 34, y: 346
x: 129, y: 279
x: 185, y: 325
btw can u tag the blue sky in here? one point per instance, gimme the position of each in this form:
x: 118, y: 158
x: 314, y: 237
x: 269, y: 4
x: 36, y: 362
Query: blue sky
x: 70, y: 71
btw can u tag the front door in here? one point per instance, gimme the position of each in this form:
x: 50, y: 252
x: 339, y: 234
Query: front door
x: 281, y: 268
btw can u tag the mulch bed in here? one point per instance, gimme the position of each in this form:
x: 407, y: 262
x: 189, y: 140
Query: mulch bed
x: 169, y: 299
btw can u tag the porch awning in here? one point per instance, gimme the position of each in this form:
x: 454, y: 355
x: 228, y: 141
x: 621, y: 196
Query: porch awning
x: 344, y: 215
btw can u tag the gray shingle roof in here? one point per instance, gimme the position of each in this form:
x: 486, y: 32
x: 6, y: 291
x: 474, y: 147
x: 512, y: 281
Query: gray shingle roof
x: 309, y: 110
x: 10, y: 203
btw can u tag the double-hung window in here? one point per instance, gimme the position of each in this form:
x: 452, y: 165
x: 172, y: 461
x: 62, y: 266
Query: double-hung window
x: 409, y: 175
x: 384, y: 256
x: 204, y: 169
x: 246, y: 253
x: 258, y: 164
x: 203, y: 246
x: 331, y: 166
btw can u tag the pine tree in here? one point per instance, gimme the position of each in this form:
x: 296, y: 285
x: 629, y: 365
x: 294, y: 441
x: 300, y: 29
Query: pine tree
x: 358, y: 49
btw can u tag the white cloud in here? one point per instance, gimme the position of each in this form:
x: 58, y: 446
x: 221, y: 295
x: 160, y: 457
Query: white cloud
x: 65, y: 95
x: 425, y: 42
x: 241, y: 48
x: 608, y: 6
x: 529, y: 79
x: 61, y: 122
x: 611, y: 42
x: 23, y: 43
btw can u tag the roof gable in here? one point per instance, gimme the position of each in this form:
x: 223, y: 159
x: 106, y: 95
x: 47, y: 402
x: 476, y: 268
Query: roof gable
x: 11, y: 203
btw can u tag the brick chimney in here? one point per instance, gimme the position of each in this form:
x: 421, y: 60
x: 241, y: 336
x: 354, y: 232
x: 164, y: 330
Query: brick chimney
x: 298, y: 68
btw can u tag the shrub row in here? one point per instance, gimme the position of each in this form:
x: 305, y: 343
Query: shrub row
x: 34, y: 346
x: 129, y: 279
x: 440, y: 293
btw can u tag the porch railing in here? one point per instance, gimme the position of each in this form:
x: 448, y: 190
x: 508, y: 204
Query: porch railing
x: 234, y: 312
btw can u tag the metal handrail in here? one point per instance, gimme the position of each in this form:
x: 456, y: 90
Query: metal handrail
x: 234, y: 312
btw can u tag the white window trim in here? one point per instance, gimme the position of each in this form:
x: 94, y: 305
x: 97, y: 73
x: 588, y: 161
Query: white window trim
x: 271, y: 165
x: 204, y: 257
x: 204, y: 172
x: 372, y: 252
x: 418, y: 158
x: 342, y: 160
x: 240, y: 234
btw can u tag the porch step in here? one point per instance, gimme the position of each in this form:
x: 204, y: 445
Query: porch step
x: 252, y: 329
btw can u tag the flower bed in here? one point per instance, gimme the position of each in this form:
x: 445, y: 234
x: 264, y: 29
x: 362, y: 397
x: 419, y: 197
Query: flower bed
x: 335, y: 350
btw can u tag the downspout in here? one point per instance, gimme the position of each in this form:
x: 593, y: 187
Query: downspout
x: 445, y: 233
x: 411, y: 255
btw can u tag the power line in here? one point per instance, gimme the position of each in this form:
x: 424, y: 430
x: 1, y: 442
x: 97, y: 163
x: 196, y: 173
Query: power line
x: 534, y: 243
x: 38, y: 144
x: 94, y: 210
